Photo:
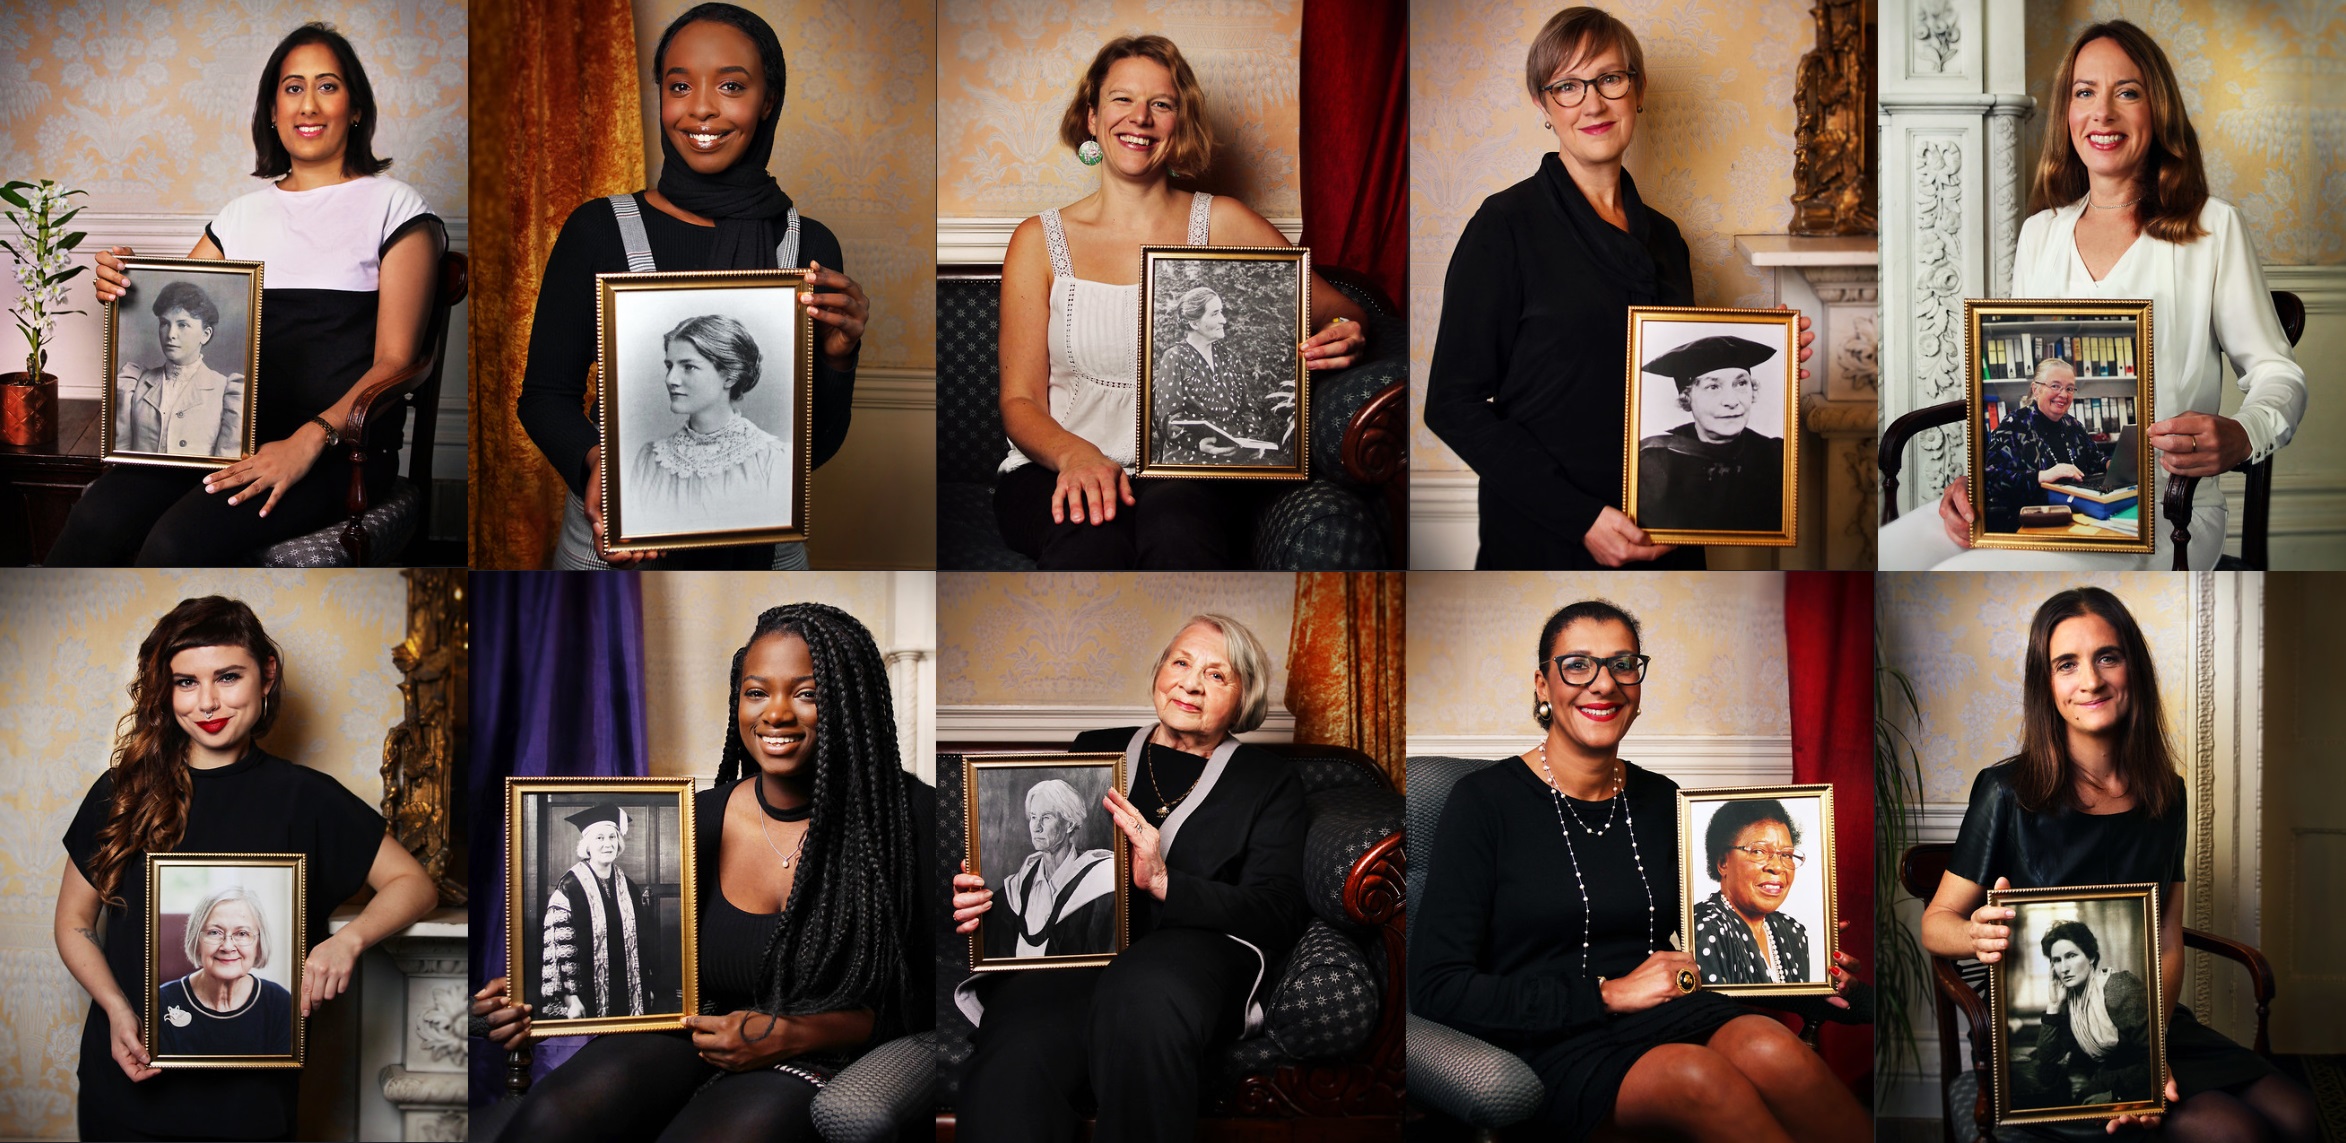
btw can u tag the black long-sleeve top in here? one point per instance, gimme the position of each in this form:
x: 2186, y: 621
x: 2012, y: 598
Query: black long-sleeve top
x: 1527, y: 382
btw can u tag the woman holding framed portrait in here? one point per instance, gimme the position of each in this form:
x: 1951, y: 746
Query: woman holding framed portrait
x: 188, y: 776
x: 352, y: 258
x: 2094, y: 798
x: 1066, y: 496
x: 813, y: 935
x: 722, y: 79
x: 2120, y: 209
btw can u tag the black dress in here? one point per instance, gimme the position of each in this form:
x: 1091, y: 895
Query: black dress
x: 1496, y: 943
x: 1526, y: 383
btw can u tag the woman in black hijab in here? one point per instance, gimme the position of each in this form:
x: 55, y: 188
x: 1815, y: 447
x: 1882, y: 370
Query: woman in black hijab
x: 722, y: 78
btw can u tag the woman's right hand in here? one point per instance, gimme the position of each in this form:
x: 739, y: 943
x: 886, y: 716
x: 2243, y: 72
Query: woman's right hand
x: 508, y: 1022
x: 1955, y: 511
x: 1615, y: 539
x: 971, y: 899
x: 129, y: 1050
x: 1090, y: 486
x: 594, y: 513
x: 2061, y: 474
x: 112, y: 281
x: 1989, y: 936
x: 1654, y: 982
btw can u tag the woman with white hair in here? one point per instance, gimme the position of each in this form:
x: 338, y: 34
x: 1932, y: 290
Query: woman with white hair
x: 1216, y: 830
x: 221, y: 1008
x: 596, y: 963
x: 1063, y: 900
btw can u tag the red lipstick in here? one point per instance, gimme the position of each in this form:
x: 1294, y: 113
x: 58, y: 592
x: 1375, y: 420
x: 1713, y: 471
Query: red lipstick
x: 214, y: 726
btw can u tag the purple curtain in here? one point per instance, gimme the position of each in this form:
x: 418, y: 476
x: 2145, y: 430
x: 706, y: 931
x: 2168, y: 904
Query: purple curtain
x: 557, y: 673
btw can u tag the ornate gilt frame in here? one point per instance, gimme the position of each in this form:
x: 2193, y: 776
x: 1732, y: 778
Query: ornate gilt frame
x: 1789, y: 322
x: 971, y: 764
x: 107, y: 446
x: 1835, y: 158
x: 420, y: 751
x: 1974, y: 397
x: 156, y: 863
x: 1690, y: 866
x: 1151, y: 257
x: 2000, y: 1001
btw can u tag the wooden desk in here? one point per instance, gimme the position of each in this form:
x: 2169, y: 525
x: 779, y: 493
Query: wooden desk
x: 40, y: 484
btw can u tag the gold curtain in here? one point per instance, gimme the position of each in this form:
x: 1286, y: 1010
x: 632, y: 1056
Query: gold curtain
x: 561, y: 123
x: 1345, y: 663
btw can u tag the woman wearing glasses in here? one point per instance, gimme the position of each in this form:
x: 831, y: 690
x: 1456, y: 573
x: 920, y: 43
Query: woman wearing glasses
x: 1575, y: 973
x: 2039, y: 444
x: 1740, y: 934
x: 1526, y: 379
x: 223, y: 1008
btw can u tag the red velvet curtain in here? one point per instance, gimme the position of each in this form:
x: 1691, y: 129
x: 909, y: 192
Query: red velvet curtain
x: 1355, y: 116
x: 1829, y: 630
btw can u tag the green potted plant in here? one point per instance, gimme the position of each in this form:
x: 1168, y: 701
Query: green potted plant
x: 42, y: 249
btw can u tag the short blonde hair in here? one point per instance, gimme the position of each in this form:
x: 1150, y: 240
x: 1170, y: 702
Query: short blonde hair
x: 1191, y: 149
x: 1247, y: 658
x: 202, y: 913
x: 1576, y: 34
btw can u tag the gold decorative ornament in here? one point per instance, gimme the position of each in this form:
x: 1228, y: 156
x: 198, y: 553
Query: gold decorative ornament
x: 1834, y: 160
x: 419, y: 753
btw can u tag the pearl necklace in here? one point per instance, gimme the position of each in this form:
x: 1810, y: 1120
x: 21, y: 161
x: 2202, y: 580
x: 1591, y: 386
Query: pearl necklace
x: 1619, y: 776
x: 1621, y: 795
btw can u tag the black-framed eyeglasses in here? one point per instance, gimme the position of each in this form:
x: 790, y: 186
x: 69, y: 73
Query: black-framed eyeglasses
x: 1569, y: 92
x: 1628, y: 668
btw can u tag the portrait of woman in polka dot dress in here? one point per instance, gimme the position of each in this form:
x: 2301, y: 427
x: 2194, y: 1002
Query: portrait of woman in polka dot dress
x: 1766, y: 854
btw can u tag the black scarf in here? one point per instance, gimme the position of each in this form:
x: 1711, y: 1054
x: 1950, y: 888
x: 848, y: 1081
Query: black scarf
x: 1621, y: 254
x: 744, y: 199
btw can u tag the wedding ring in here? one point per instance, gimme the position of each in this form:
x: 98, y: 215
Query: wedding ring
x: 1687, y: 982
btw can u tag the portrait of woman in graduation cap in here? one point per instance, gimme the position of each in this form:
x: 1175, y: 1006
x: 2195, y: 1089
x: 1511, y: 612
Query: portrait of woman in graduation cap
x: 597, y: 960
x: 1715, y: 472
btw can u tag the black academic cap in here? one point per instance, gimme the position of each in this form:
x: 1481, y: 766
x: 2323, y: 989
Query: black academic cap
x: 1701, y: 356
x: 602, y: 813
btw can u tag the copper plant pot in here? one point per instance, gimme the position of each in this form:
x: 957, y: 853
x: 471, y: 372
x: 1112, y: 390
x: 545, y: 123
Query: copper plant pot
x: 28, y: 409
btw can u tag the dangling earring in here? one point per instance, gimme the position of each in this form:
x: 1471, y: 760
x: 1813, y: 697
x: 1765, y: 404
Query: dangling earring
x: 1542, y: 713
x: 1090, y: 153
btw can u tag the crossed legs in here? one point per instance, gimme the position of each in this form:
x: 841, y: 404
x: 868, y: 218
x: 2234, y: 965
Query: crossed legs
x: 1753, y: 1082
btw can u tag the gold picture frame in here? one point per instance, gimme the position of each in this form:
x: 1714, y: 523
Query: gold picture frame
x: 2122, y: 924
x: 1262, y: 296
x: 232, y: 290
x: 1677, y: 483
x: 2108, y: 346
x: 658, y: 498
x: 999, y: 944
x: 665, y: 874
x: 275, y: 887
x: 1810, y: 904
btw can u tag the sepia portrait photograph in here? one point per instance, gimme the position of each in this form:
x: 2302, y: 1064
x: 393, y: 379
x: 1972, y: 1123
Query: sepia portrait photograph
x: 1222, y: 386
x: 1712, y: 420
x: 707, y: 378
x: 224, y: 953
x: 2078, y: 1034
x: 599, y: 902
x: 2060, y: 394
x: 1759, y: 895
x: 1045, y: 844
x: 182, y: 352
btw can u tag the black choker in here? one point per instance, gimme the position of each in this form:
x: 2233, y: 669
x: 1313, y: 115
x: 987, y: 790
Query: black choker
x: 757, y: 783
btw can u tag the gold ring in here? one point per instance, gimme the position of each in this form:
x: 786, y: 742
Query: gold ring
x: 1687, y: 982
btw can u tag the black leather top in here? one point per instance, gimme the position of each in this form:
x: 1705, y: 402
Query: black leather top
x: 2061, y: 846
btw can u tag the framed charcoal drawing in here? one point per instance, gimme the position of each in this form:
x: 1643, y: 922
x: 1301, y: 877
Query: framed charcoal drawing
x: 1758, y: 892
x: 1223, y: 390
x: 2078, y: 1031
x: 600, y: 903
x: 1711, y: 450
x: 1040, y: 836
x: 225, y: 949
x: 2059, y: 394
x: 183, y: 362
x: 705, y: 384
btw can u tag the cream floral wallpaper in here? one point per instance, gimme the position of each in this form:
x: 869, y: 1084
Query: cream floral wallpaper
x: 1717, y: 640
x: 1089, y: 640
x: 1007, y: 68
x: 1963, y: 637
x: 1713, y: 149
x: 68, y: 644
x: 2261, y: 79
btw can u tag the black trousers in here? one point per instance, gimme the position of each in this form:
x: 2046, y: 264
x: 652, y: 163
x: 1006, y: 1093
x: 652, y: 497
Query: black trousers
x: 148, y: 516
x: 652, y: 1085
x: 1135, y: 1032
x: 1174, y: 525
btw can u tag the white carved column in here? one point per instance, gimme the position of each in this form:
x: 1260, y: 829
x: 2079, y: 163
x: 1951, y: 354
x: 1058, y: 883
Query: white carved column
x: 411, y: 1040
x: 2223, y: 792
x: 1836, y: 283
x: 911, y: 653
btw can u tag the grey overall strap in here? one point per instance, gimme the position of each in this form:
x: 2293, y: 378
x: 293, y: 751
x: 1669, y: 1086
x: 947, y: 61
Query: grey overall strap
x: 631, y: 233
x: 786, y: 254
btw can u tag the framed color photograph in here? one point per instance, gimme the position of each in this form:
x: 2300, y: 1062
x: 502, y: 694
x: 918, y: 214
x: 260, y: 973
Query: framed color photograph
x: 2076, y: 1004
x: 705, y: 380
x: 183, y: 359
x: 1758, y: 896
x: 1055, y: 860
x: 600, y: 904
x: 2059, y: 394
x: 1711, y: 453
x: 1223, y: 391
x: 225, y: 951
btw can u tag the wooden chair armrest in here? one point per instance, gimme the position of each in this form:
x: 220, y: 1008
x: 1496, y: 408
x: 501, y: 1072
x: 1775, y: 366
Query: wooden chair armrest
x: 1376, y: 440
x: 1376, y: 892
x: 1959, y: 992
x: 2260, y: 976
x: 1890, y: 457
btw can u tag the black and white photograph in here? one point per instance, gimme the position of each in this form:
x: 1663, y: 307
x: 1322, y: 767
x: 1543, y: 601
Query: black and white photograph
x: 1222, y: 387
x: 1041, y: 837
x: 2078, y: 1034
x: 1759, y: 895
x: 224, y: 950
x: 1712, y: 414
x: 706, y: 379
x: 600, y: 899
x: 2059, y: 396
x: 182, y: 357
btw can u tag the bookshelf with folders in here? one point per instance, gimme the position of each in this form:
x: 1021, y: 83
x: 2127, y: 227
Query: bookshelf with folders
x: 2102, y: 350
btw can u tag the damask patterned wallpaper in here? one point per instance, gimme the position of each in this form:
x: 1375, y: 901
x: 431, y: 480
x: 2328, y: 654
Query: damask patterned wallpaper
x: 1090, y: 640
x: 68, y: 645
x: 1713, y: 149
x: 1007, y: 68
x: 1717, y: 640
x: 1962, y: 637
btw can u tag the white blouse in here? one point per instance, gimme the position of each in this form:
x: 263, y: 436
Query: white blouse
x: 327, y: 238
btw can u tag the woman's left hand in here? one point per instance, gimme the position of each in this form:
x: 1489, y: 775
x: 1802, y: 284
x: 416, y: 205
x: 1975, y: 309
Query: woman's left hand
x: 740, y: 1041
x: 1335, y: 346
x: 2146, y: 1120
x: 1148, y: 862
x: 1843, y: 971
x: 273, y: 468
x: 1805, y: 338
x: 2199, y: 444
x: 329, y: 969
x: 840, y: 311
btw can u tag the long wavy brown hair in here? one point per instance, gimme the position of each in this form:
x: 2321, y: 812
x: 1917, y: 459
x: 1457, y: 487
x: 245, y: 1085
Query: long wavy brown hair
x: 2174, y: 181
x: 2146, y: 751
x: 151, y: 782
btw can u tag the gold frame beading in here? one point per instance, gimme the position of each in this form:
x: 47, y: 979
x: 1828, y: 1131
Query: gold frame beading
x: 1151, y: 258
x: 1690, y: 863
x: 1631, y: 434
x: 2063, y: 313
x: 970, y: 765
x: 156, y: 863
x: 2000, y: 998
